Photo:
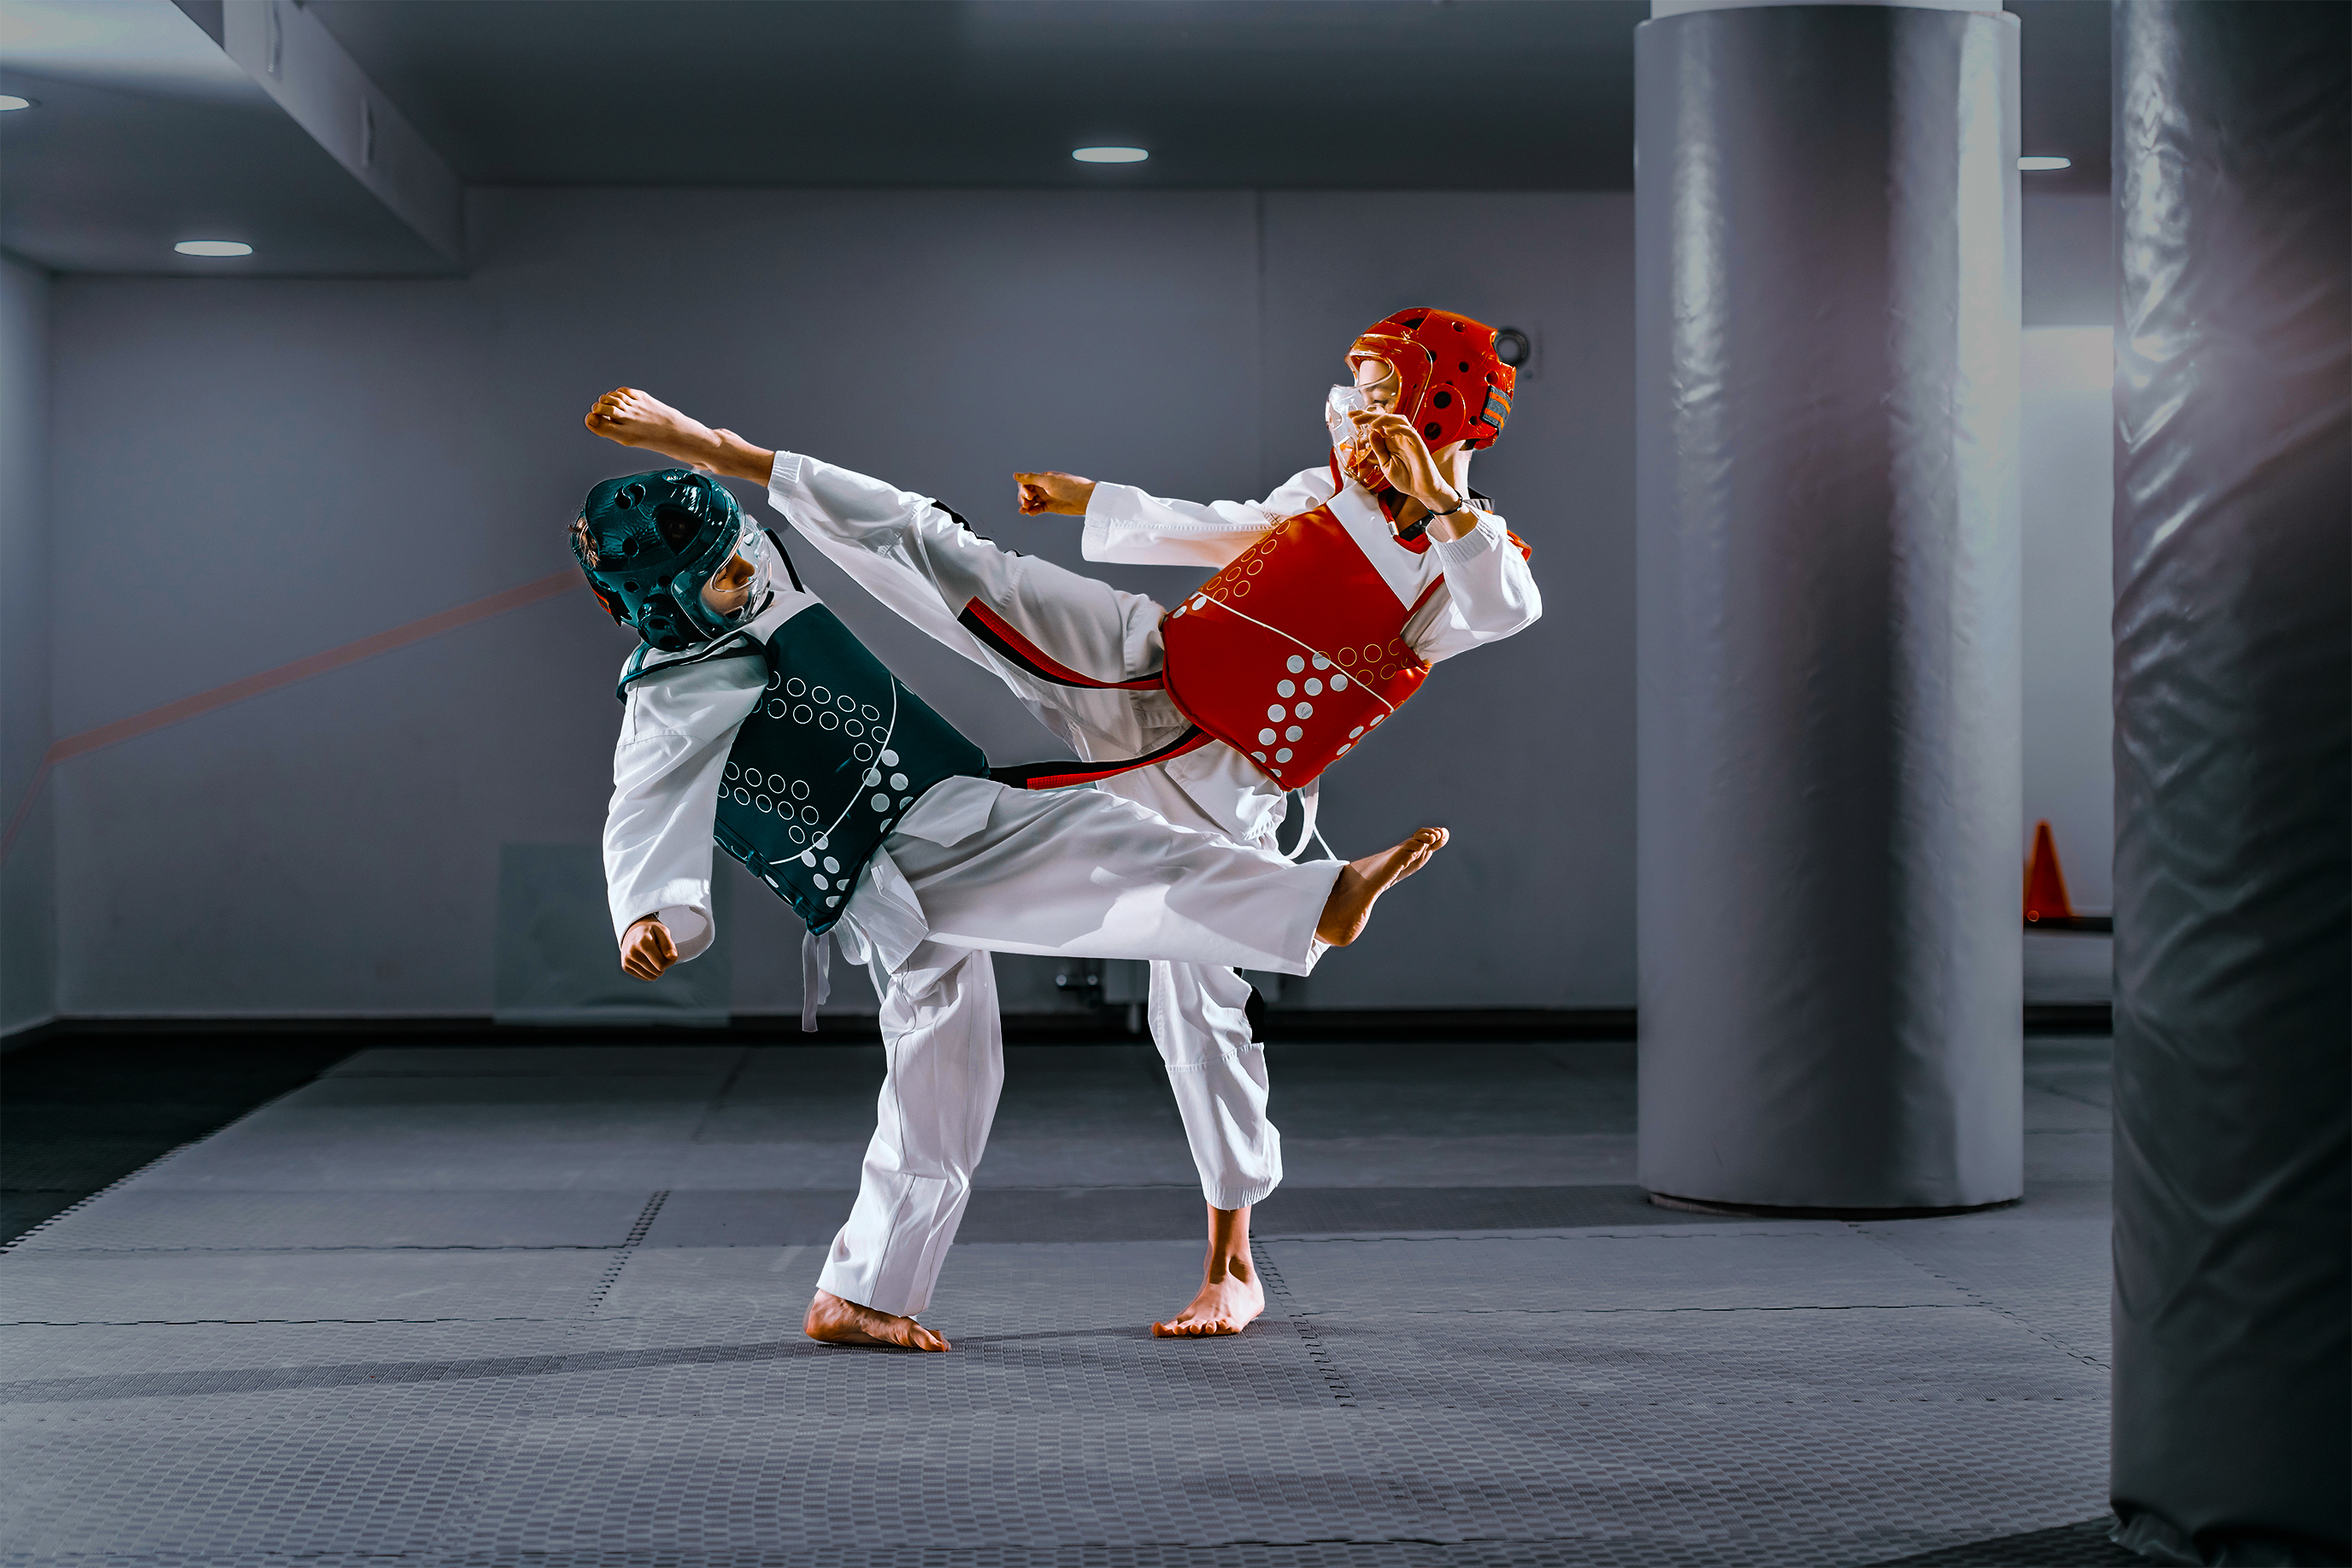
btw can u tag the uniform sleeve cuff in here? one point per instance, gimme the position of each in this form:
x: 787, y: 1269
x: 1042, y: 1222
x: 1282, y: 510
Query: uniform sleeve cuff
x: 786, y: 474
x: 681, y: 897
x: 1113, y: 503
x: 1483, y: 539
x: 690, y: 928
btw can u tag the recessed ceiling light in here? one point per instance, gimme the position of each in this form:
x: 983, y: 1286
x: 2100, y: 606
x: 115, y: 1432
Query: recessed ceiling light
x: 9, y: 101
x: 212, y: 248
x: 2031, y: 164
x: 1109, y: 154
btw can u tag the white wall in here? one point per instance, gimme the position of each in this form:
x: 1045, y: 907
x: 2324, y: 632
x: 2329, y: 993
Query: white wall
x: 2066, y: 471
x: 248, y: 472
x: 27, y: 881
x: 2067, y: 474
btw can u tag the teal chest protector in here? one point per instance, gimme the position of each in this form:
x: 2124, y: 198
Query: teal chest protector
x: 824, y: 767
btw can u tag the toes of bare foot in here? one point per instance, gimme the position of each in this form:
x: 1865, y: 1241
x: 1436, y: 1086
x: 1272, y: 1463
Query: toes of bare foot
x: 1420, y: 847
x: 1184, y: 1329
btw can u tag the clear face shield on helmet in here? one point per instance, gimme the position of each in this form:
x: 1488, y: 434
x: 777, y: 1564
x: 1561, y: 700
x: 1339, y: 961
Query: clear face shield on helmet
x: 1345, y: 439
x: 1374, y: 389
x: 732, y: 592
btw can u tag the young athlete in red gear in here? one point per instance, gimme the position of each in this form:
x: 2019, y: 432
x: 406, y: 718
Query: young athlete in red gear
x: 1332, y: 599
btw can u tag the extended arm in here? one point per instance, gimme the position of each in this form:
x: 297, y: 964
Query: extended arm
x: 1125, y: 524
x: 903, y: 548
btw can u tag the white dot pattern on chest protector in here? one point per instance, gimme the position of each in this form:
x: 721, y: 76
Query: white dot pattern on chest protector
x: 1282, y: 689
x: 1275, y: 712
x: 1267, y: 736
x: 1295, y: 664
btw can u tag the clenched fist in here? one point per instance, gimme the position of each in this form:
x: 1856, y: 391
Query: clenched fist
x: 1052, y: 492
x: 1404, y: 458
x: 646, y: 949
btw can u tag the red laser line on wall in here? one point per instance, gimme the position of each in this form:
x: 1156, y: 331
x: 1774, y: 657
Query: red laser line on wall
x: 171, y: 713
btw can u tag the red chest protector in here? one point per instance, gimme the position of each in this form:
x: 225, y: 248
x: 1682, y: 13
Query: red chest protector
x: 1290, y: 655
x: 1295, y: 651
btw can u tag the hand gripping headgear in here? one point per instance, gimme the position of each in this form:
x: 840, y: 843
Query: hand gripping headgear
x: 649, y: 542
x: 1454, y: 387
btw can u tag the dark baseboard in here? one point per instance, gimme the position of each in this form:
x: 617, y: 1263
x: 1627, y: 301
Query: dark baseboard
x: 1107, y: 1025
x: 2080, y: 924
x: 2069, y: 1018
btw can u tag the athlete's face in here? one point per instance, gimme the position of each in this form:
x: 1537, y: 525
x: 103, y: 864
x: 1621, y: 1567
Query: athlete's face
x: 729, y: 587
x: 1378, y: 380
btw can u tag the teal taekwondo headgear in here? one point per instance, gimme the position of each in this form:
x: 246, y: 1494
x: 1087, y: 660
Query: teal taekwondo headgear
x: 650, y: 544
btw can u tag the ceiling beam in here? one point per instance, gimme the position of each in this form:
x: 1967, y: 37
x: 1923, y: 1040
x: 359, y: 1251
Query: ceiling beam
x: 293, y: 57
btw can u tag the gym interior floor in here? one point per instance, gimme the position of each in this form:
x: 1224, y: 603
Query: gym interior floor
x: 539, y: 1304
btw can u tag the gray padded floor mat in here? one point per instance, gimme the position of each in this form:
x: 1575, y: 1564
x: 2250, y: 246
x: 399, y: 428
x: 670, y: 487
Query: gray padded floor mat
x: 422, y: 1357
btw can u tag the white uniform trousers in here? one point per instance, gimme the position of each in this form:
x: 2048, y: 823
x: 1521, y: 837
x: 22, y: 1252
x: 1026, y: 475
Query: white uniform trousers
x: 923, y: 564
x: 1062, y: 871
x: 944, y: 1048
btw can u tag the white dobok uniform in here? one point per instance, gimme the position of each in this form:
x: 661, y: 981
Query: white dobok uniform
x: 974, y: 866
x: 917, y: 558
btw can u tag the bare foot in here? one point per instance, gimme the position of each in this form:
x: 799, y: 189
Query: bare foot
x: 640, y: 419
x: 1223, y: 1306
x: 836, y: 1322
x: 1231, y: 1298
x: 1361, y: 881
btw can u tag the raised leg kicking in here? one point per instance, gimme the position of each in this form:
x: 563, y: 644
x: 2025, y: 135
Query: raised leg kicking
x: 754, y: 721
x: 1358, y: 591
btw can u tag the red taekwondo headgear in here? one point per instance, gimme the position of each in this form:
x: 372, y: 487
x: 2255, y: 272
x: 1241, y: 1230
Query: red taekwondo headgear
x: 1455, y: 388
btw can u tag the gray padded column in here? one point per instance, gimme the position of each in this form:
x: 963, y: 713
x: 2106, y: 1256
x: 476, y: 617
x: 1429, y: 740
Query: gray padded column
x: 1830, y: 849
x: 2233, y: 781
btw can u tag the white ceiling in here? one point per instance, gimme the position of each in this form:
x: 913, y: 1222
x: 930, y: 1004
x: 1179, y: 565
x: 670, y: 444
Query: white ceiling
x: 148, y: 132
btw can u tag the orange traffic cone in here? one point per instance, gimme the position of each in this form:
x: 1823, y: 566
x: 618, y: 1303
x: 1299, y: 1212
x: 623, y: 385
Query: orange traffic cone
x: 2045, y: 885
